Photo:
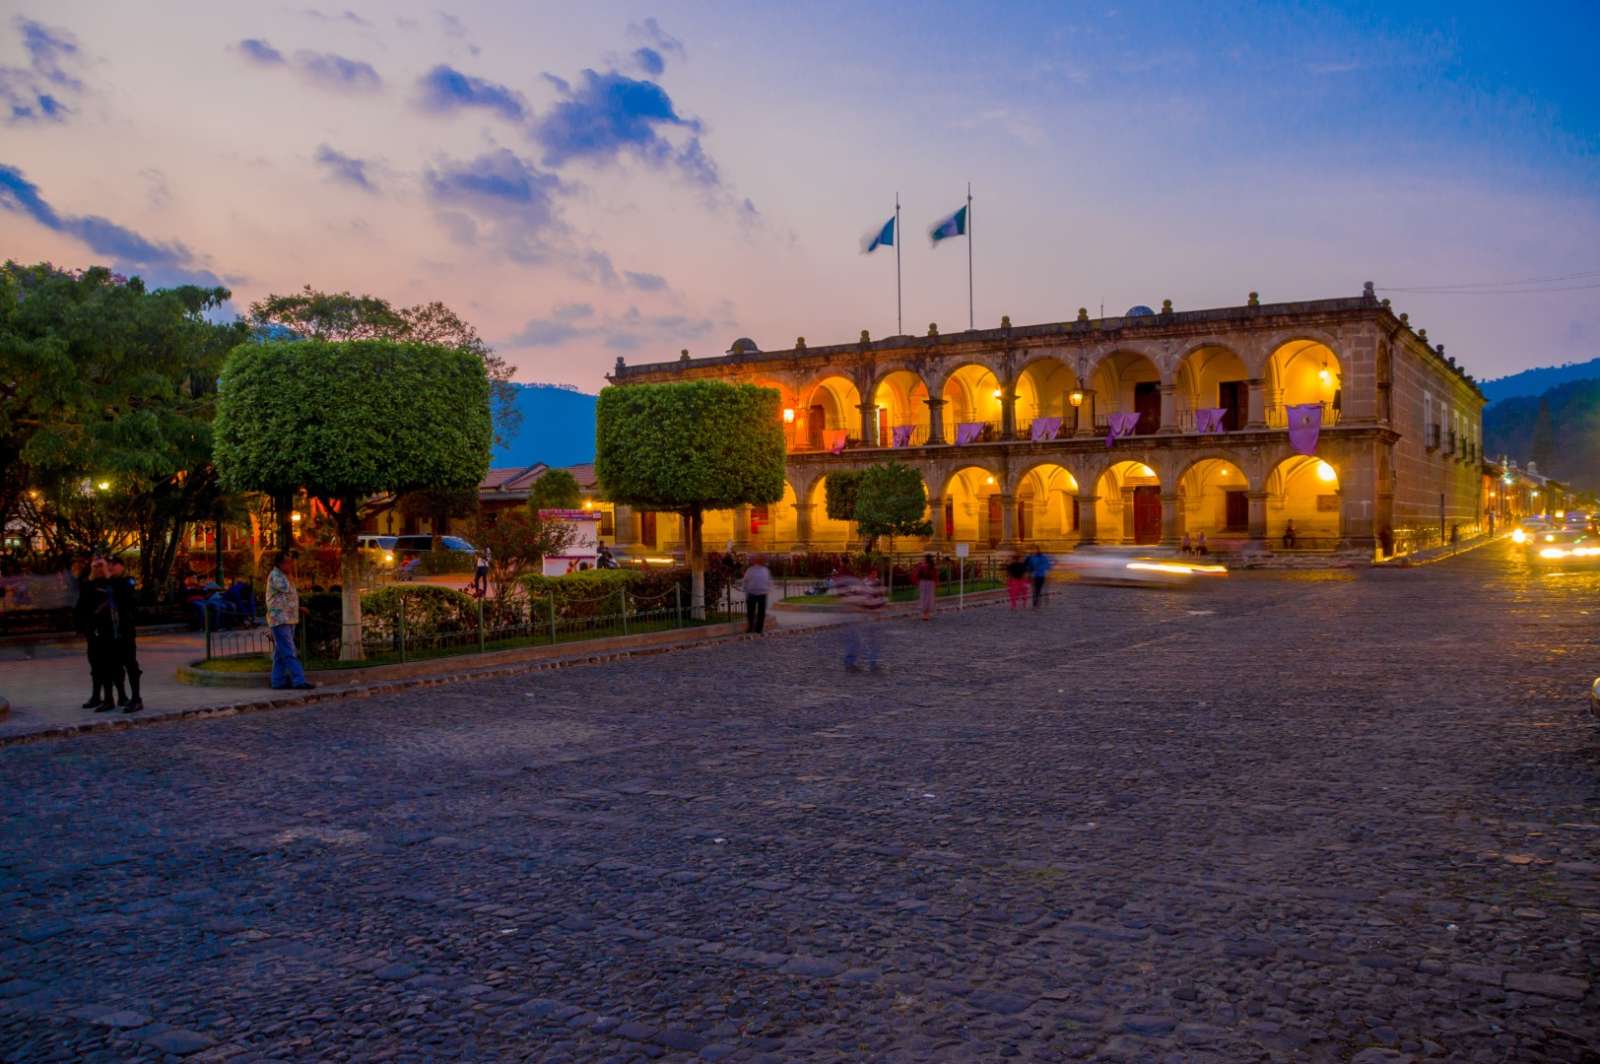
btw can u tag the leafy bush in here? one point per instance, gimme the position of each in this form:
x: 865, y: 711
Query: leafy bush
x: 597, y: 592
x: 429, y: 610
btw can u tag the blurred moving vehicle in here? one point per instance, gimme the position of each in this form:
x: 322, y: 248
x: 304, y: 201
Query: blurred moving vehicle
x: 1123, y: 571
x: 419, y: 544
x: 1563, y: 546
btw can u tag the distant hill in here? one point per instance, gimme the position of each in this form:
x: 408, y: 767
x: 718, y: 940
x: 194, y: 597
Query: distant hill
x: 557, y: 428
x: 1559, y: 429
x: 1539, y: 380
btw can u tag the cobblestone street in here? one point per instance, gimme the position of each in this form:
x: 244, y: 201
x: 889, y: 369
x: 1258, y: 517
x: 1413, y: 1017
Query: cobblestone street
x: 1319, y: 818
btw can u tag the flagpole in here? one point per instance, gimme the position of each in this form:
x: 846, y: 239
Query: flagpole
x: 970, y: 320
x: 899, y: 314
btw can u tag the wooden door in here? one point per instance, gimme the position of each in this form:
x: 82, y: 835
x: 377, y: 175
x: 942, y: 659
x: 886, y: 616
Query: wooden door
x: 647, y: 528
x: 1147, y: 403
x: 816, y: 423
x: 1234, y: 398
x: 1146, y: 515
x: 884, y: 439
x: 1024, y: 506
x: 949, y: 520
x: 1236, y: 508
x: 996, y: 521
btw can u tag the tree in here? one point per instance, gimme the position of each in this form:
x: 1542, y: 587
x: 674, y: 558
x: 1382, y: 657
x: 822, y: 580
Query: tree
x: 342, y: 316
x: 518, y: 541
x: 103, y: 382
x: 839, y: 491
x: 1542, y: 447
x: 348, y: 420
x: 556, y: 489
x: 690, y: 446
x: 891, y: 501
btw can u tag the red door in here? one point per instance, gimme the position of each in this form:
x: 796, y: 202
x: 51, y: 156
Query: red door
x: 1237, y: 510
x: 1147, y: 403
x: 884, y: 439
x: 1146, y: 515
x: 647, y: 528
x: 816, y: 422
x: 996, y: 521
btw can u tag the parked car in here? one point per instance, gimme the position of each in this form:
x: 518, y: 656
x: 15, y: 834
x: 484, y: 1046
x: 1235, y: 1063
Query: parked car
x: 366, y: 542
x: 418, y: 544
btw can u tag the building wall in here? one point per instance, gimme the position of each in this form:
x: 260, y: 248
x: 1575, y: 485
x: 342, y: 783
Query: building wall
x: 1437, y: 459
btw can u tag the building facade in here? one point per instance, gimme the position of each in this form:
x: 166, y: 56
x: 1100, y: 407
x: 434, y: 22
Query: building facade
x: 1133, y: 430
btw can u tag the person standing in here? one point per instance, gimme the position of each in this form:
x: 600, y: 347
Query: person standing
x: 1016, y: 580
x: 480, y: 573
x: 926, y: 576
x: 92, y: 619
x: 757, y: 586
x: 124, y: 649
x: 1039, y: 566
x: 283, y: 613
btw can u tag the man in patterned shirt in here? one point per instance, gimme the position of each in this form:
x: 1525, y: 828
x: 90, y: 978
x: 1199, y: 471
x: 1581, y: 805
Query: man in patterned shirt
x: 283, y: 613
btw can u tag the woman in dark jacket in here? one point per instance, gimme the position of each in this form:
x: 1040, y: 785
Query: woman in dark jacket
x: 95, y: 616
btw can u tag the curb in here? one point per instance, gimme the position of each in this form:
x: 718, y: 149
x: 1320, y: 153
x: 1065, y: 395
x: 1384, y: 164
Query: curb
x: 1438, y: 554
x: 595, y: 657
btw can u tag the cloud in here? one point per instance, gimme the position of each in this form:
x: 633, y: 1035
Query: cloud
x: 343, y: 16
x: 44, y: 90
x: 259, y: 51
x: 607, y: 115
x: 645, y: 282
x: 561, y: 326
x: 650, y: 61
x: 445, y: 89
x: 128, y: 251
x: 345, y: 168
x: 451, y: 25
x: 650, y: 32
x: 336, y: 72
x: 503, y: 193
x: 628, y: 331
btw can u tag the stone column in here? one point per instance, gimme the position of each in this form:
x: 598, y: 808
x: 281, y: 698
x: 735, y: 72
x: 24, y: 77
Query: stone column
x: 1169, y: 409
x: 869, y: 425
x: 627, y: 523
x: 1128, y: 530
x: 1257, y: 417
x: 1086, y: 519
x: 1172, y: 519
x: 1008, y: 412
x: 1258, y: 518
x: 802, y: 525
x: 741, y: 528
x: 1008, y: 519
x: 937, y: 541
x: 935, y: 420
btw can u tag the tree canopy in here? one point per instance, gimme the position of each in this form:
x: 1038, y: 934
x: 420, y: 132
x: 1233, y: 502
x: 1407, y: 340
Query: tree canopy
x: 556, y: 489
x: 891, y: 501
x: 839, y: 494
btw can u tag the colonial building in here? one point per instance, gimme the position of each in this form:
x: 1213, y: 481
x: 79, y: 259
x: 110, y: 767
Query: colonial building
x: 1318, y: 425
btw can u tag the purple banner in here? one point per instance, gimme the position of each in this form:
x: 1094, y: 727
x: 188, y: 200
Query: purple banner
x: 1045, y: 428
x: 902, y: 435
x: 834, y: 439
x: 1305, y: 422
x: 1209, y: 419
x: 968, y: 432
x: 1121, y: 425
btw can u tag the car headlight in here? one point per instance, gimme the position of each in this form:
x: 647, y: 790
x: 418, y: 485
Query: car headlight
x: 1518, y: 536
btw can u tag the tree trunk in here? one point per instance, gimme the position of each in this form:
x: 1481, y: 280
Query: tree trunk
x: 349, y: 521
x: 282, y: 505
x: 697, y: 565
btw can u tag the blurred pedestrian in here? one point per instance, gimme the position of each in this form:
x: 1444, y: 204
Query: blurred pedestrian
x: 757, y: 584
x: 283, y: 613
x: 863, y: 639
x: 124, y: 649
x: 1288, y: 536
x: 1200, y: 547
x: 926, y: 576
x: 1016, y: 580
x: 1187, y: 546
x: 1039, y: 566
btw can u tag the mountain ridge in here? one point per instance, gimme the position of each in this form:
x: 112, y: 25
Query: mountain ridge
x: 557, y: 428
x: 1538, y: 380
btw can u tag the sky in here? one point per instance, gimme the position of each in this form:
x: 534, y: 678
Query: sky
x: 591, y: 181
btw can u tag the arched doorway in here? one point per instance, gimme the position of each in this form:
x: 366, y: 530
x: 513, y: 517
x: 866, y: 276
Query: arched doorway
x: 901, y: 399
x: 773, y: 526
x: 1303, y: 491
x: 1129, y: 506
x: 1127, y: 381
x: 1047, y: 507
x: 832, y: 406
x: 1043, y: 390
x: 1216, y: 500
x: 1213, y: 377
x: 828, y: 533
x: 1304, y: 371
x: 969, y: 511
x: 971, y: 397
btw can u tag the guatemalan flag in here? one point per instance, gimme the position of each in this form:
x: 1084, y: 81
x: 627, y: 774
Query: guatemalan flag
x: 878, y: 238
x: 955, y: 225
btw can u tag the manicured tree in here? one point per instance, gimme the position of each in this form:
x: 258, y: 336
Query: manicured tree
x: 556, y: 489
x: 839, y: 491
x: 690, y: 446
x: 891, y: 501
x: 347, y: 420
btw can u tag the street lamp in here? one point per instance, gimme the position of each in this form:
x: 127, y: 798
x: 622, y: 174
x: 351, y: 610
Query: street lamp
x: 1076, y: 397
x: 104, y: 485
x: 788, y: 415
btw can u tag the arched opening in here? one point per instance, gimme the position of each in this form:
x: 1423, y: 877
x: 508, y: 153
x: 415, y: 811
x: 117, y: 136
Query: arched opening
x: 902, y: 401
x: 1128, y: 382
x: 970, y: 510
x: 832, y: 406
x: 971, y: 397
x: 774, y: 525
x: 828, y: 533
x: 1303, y: 504
x: 1047, y: 507
x: 1129, y: 506
x: 1213, y: 377
x: 1044, y: 389
x: 1304, y: 371
x: 1216, y: 501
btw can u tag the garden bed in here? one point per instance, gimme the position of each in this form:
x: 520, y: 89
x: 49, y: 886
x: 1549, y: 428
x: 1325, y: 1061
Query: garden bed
x: 900, y: 594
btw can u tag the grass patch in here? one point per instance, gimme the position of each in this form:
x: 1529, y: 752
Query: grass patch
x: 904, y: 593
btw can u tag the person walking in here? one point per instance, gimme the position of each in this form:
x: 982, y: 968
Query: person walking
x: 863, y: 640
x: 480, y: 573
x: 124, y: 649
x: 757, y: 584
x: 1039, y: 566
x: 283, y: 613
x: 926, y: 576
x: 1016, y: 580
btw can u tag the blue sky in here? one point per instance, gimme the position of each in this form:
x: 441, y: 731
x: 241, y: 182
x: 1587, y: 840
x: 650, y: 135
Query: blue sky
x: 632, y: 179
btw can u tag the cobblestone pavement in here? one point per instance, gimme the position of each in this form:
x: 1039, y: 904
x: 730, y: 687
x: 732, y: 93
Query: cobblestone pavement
x: 1320, y: 819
